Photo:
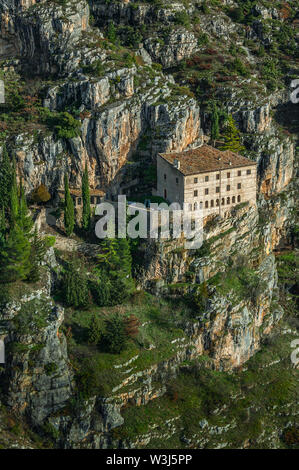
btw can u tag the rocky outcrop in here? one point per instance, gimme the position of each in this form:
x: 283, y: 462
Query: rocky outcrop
x: 36, y: 376
x: 176, y: 47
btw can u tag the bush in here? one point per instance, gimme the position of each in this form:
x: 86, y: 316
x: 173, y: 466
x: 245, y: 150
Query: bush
x: 182, y: 18
x: 41, y: 194
x: 63, y: 124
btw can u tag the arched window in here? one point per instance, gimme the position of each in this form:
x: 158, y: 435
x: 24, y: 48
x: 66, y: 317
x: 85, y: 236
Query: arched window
x: 165, y: 194
x: 223, y: 201
x: 217, y: 202
x: 228, y: 200
x: 212, y: 203
x: 207, y: 204
x: 234, y: 199
x: 239, y: 198
x: 195, y: 206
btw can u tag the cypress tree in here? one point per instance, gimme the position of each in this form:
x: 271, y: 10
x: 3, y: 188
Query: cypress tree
x: 86, y: 200
x: 5, y: 179
x: 215, y: 123
x: 69, y: 215
x: 232, y: 137
x: 94, y: 330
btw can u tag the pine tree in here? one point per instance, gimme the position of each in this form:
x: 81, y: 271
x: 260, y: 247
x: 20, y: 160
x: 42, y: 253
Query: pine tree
x: 232, y: 137
x: 38, y: 250
x: 215, y: 123
x: 24, y: 218
x: 115, y: 336
x: 14, y: 199
x: 101, y: 289
x: 69, y: 215
x: 14, y: 256
x: 86, y: 200
x: 116, y: 261
x: 75, y: 286
x: 5, y: 179
x: 2, y: 227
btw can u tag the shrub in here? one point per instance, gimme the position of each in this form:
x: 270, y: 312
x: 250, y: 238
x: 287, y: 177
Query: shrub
x: 50, y: 368
x: 291, y: 437
x: 132, y: 326
x: 63, y: 124
x: 182, y: 18
x: 41, y: 194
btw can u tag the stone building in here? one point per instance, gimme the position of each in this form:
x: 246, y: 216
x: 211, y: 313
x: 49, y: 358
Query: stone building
x: 206, y: 177
x: 96, y: 196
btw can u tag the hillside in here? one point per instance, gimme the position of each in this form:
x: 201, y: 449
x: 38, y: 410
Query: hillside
x: 144, y: 343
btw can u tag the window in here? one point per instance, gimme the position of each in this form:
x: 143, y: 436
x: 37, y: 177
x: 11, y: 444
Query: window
x: 207, y: 191
x: 222, y: 201
x: 248, y: 172
x: 79, y: 201
x: 206, y: 178
x: 195, y: 180
x: 239, y: 198
x: 228, y: 200
x: 195, y: 206
x: 177, y: 181
x: 195, y: 193
x: 165, y: 194
x: 228, y: 175
x: 239, y: 185
x: 228, y: 187
x: 207, y: 204
x: 165, y: 176
x: 217, y: 202
x: 239, y: 173
x: 212, y: 203
x: 234, y: 199
x: 217, y: 189
x: 92, y: 200
x: 98, y: 199
x: 218, y: 176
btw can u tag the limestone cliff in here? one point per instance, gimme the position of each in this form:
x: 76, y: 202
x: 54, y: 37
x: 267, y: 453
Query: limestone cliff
x: 140, y: 79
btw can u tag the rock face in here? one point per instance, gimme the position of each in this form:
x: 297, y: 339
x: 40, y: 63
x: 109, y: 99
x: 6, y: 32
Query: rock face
x: 36, y: 373
x: 130, y: 109
x: 178, y: 45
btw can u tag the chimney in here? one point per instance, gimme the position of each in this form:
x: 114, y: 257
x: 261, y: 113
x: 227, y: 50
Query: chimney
x: 176, y: 163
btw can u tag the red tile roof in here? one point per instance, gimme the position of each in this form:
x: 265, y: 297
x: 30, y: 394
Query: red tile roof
x: 78, y: 192
x: 205, y: 159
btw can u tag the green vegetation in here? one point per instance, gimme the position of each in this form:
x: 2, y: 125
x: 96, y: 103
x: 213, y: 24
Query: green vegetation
x: 69, y: 214
x: 75, y: 291
x: 232, y: 137
x: 86, y: 200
